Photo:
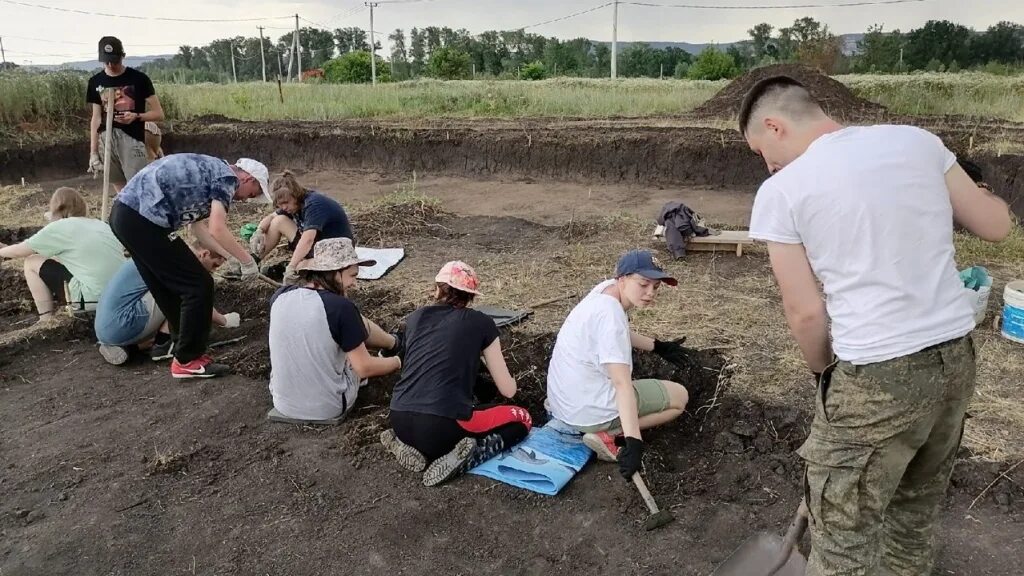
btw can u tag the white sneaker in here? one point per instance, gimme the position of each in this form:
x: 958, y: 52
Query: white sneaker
x: 115, y: 355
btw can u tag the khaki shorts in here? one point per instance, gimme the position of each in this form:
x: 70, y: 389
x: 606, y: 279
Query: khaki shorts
x: 651, y: 398
x: 129, y: 155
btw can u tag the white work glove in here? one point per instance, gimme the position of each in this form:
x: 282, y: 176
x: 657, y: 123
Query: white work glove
x: 250, y: 270
x: 232, y: 320
x: 95, y: 165
x: 257, y: 242
x: 291, y: 277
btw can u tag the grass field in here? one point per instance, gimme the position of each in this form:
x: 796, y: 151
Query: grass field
x: 33, y: 106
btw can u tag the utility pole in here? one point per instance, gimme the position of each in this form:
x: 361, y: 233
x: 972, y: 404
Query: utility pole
x: 615, y: 40
x: 2, y: 53
x: 234, y: 75
x: 373, y: 45
x: 901, y: 60
x: 277, y: 56
x: 263, y: 58
x: 298, y: 50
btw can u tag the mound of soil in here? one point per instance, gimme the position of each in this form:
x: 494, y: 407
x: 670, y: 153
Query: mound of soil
x: 834, y: 97
x: 15, y: 235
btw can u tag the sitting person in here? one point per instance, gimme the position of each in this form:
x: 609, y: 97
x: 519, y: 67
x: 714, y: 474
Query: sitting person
x: 127, y: 315
x: 432, y: 410
x: 72, y: 249
x: 319, y: 340
x: 590, y: 382
x: 303, y: 217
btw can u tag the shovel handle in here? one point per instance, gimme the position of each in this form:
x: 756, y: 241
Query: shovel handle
x: 793, y: 535
x: 645, y: 493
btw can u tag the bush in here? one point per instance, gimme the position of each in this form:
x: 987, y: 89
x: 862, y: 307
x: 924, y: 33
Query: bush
x: 713, y: 64
x: 449, y: 64
x: 534, y: 71
x: 354, y: 68
x: 935, y: 65
x: 682, y: 69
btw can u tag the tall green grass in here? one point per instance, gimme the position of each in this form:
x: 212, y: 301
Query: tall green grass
x: 431, y: 98
x: 34, y: 104
x: 41, y: 98
x: 963, y: 94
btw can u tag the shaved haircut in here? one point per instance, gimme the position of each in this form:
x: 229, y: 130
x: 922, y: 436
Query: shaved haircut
x: 778, y: 94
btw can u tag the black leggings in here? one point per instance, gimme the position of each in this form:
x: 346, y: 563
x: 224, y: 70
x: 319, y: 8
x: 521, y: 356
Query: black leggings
x: 495, y: 428
x: 55, y: 275
x: 181, y: 287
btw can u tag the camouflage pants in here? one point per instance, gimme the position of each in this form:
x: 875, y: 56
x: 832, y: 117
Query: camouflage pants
x: 879, y: 457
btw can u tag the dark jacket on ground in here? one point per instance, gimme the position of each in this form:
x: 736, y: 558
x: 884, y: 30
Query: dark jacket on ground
x: 681, y: 224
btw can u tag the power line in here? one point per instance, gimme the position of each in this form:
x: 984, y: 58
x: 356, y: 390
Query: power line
x: 316, y: 24
x: 573, y: 15
x: 51, y: 41
x: 773, y: 7
x: 109, y: 15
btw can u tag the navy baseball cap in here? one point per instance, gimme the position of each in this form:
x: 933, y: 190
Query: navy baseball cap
x: 642, y: 262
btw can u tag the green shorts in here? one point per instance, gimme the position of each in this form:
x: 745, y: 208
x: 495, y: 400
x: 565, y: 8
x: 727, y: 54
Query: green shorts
x: 651, y: 398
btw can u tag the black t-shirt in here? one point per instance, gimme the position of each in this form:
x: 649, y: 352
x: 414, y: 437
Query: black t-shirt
x: 442, y: 357
x: 133, y: 87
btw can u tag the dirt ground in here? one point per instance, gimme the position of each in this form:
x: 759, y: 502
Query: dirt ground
x: 124, y: 471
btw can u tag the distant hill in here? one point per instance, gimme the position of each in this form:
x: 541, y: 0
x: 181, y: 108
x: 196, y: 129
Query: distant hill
x: 849, y: 44
x: 91, y: 65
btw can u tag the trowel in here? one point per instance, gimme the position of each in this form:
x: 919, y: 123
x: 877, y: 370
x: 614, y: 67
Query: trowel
x: 766, y: 554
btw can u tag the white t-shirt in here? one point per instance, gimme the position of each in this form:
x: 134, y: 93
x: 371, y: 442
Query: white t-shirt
x: 595, y: 333
x: 871, y: 207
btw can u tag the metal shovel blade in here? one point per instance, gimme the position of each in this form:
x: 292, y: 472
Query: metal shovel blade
x: 756, y: 557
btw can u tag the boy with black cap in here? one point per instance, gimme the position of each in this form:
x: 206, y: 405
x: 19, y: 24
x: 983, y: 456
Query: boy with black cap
x: 135, y: 103
x: 590, y: 383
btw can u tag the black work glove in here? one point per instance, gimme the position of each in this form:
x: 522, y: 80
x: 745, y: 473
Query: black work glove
x: 674, y: 353
x: 631, y: 455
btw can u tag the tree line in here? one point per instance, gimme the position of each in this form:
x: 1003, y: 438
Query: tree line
x: 441, y: 52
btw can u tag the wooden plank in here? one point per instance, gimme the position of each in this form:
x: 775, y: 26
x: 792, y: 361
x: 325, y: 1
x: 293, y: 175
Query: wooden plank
x: 728, y: 240
x: 726, y: 237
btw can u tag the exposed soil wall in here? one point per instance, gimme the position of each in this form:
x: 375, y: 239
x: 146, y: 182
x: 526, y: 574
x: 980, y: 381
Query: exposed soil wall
x: 608, y: 152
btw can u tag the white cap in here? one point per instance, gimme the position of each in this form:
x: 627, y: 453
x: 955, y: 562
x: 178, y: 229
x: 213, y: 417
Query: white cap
x: 258, y: 171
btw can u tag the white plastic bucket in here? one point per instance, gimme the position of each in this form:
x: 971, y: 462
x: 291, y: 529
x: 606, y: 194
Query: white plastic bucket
x: 1013, y: 311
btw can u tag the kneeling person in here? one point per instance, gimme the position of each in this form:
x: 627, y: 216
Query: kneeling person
x: 590, y: 382
x: 319, y: 340
x: 433, y: 412
x: 303, y: 218
x: 127, y: 314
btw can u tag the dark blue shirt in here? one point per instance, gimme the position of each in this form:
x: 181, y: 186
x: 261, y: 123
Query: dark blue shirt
x: 325, y: 215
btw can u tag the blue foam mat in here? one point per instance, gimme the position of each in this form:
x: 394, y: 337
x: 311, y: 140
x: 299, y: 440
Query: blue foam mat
x: 544, y: 463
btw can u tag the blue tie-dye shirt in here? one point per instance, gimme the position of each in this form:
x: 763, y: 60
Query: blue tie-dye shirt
x: 177, y: 190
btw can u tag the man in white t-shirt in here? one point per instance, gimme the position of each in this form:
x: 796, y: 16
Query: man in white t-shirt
x: 868, y: 212
x: 590, y: 377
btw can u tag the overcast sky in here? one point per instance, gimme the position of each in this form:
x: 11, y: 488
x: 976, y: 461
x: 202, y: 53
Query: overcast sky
x: 74, y: 36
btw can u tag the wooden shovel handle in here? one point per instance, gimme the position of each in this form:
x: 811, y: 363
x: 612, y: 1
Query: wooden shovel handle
x: 645, y: 493
x: 792, y: 537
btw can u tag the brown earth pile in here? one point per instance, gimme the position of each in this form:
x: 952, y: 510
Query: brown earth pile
x: 833, y: 96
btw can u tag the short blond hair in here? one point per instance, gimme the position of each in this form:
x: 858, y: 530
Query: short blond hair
x: 67, y: 203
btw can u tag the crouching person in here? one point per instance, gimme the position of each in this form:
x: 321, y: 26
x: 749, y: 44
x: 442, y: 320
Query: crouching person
x: 433, y: 413
x: 72, y: 249
x: 590, y: 381
x: 319, y: 340
x: 127, y: 315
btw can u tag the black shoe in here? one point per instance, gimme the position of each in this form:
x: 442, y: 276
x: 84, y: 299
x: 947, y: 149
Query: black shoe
x: 161, y: 352
x: 451, y: 464
x: 398, y: 349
